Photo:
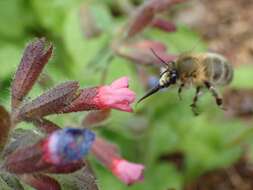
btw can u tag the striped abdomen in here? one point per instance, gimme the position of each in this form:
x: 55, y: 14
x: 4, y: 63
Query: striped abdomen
x: 218, y: 69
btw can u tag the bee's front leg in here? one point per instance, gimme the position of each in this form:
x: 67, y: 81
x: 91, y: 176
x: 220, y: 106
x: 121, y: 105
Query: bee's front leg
x: 180, y: 90
x: 195, y: 100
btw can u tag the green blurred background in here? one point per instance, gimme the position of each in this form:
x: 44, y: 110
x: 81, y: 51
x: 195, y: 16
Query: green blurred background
x: 175, y: 146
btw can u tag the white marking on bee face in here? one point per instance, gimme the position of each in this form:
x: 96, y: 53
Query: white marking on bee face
x: 161, y: 82
x: 162, y: 69
x: 164, y: 79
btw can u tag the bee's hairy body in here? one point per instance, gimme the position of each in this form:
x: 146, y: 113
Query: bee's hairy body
x: 198, y: 69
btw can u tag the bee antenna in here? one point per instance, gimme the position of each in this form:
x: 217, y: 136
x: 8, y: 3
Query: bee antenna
x: 158, y: 57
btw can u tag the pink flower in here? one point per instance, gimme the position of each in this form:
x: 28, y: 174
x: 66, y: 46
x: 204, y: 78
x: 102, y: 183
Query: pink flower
x: 116, y: 96
x: 127, y: 172
x: 109, y: 156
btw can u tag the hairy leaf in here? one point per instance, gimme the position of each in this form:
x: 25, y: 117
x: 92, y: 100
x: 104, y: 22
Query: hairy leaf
x: 41, y: 182
x: 5, y: 125
x: 51, y: 102
x: 35, y: 57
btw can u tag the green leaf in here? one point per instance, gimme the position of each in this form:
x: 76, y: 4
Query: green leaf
x: 82, y: 179
x: 205, y: 146
x: 12, y: 19
x: 81, y: 50
x: 11, y: 181
x: 52, y: 13
x: 102, y: 17
x: 162, y: 140
x: 168, y: 177
x: 243, y: 77
x: 10, y: 56
x: 4, y: 185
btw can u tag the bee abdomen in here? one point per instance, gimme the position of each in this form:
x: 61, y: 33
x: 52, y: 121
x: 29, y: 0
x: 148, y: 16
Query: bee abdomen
x: 219, y: 70
x: 229, y: 72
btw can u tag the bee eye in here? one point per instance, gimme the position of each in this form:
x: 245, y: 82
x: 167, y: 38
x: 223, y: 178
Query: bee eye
x: 173, y: 78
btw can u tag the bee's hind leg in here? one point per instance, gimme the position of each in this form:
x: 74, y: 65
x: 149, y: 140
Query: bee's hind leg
x: 180, y: 90
x: 215, y: 94
x: 195, y: 100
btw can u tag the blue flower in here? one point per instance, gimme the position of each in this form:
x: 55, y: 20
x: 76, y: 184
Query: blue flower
x: 69, y: 145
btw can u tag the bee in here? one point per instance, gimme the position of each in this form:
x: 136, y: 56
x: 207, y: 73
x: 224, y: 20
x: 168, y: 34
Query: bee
x: 201, y: 70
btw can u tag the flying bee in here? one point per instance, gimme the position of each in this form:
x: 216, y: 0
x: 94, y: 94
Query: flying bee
x: 201, y: 70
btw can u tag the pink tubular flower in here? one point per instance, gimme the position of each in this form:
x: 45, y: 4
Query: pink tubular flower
x: 116, y: 96
x: 107, y: 153
x: 127, y: 172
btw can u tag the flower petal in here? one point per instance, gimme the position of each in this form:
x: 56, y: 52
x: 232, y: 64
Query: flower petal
x: 120, y: 83
x: 67, y: 145
x: 128, y: 172
x: 109, y: 156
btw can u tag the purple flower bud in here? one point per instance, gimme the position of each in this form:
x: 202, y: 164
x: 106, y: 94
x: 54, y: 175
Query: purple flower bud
x: 63, y: 150
x: 141, y: 19
x: 50, y: 102
x: 164, y: 25
x: 35, y: 57
x: 141, y: 53
x: 96, y: 117
x: 145, y: 14
x: 5, y: 125
x: 163, y: 5
x: 149, y: 44
x: 46, y: 126
x: 67, y: 145
x: 66, y: 168
x: 41, y: 182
